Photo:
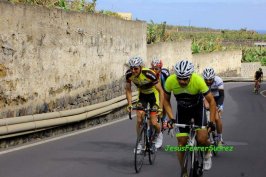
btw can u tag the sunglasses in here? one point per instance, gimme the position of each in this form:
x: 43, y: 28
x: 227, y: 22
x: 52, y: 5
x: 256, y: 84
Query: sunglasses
x: 208, y: 80
x: 134, y: 68
x: 183, y: 79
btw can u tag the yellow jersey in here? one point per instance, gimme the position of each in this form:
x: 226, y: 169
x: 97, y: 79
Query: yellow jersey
x: 145, y: 81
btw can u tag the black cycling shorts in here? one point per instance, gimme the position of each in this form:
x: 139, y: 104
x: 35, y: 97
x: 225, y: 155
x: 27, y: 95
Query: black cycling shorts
x: 184, y: 116
x: 144, y: 99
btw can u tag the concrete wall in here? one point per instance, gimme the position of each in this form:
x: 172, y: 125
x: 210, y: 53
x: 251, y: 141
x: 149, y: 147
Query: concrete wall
x: 49, y: 56
x: 169, y: 52
x: 249, y: 69
x: 224, y: 63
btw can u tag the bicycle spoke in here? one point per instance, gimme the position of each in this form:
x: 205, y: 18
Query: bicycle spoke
x: 152, y: 149
x: 140, y: 153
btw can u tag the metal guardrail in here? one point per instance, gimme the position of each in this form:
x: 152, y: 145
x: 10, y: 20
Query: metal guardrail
x: 33, y: 123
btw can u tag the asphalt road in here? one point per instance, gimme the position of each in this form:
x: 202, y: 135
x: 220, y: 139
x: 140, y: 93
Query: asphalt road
x: 108, y: 151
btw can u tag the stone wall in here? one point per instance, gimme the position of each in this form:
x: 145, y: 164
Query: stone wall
x: 224, y: 63
x: 169, y: 52
x: 249, y: 69
x: 50, y: 59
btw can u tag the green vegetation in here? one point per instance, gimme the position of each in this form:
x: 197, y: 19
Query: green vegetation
x: 206, y: 40
x: 74, y: 5
x: 254, y: 54
x: 109, y: 13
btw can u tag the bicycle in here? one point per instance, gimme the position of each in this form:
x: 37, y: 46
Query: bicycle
x: 213, y: 135
x: 193, y: 158
x: 257, y: 87
x: 145, y: 138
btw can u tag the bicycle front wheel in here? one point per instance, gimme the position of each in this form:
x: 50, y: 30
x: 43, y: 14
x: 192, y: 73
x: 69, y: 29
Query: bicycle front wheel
x: 215, y: 143
x: 140, y: 150
x: 187, y: 164
x: 151, y: 146
x: 198, y: 164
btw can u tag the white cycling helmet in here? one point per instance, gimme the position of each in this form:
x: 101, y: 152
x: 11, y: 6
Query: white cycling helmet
x: 208, y: 73
x: 156, y: 62
x: 184, y: 69
x: 135, y: 62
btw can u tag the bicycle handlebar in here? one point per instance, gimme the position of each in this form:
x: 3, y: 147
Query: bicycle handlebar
x: 141, y: 109
x: 187, y: 125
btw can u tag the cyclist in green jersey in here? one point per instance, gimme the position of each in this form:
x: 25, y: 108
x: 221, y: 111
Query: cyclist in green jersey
x: 189, y: 89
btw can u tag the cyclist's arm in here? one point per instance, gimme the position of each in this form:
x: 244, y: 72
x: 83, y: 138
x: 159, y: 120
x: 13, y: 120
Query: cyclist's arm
x: 167, y: 106
x: 211, y: 101
x: 129, y: 93
x: 161, y: 94
x: 206, y: 104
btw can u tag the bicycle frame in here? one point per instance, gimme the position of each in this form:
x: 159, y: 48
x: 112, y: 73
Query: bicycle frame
x: 257, y: 86
x: 147, y: 132
x: 192, y: 142
x: 213, y: 135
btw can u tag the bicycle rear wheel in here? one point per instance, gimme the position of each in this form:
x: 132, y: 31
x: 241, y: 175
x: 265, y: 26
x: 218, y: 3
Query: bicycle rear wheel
x: 151, y: 146
x: 140, y: 153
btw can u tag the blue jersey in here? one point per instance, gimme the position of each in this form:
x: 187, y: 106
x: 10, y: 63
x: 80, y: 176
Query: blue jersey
x: 163, y: 76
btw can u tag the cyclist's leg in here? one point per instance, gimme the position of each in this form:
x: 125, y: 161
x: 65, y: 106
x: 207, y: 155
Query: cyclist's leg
x: 256, y: 85
x: 183, y: 117
x: 140, y: 114
x: 154, y: 102
x: 259, y: 82
x: 202, y: 134
x: 198, y: 114
x: 219, y: 125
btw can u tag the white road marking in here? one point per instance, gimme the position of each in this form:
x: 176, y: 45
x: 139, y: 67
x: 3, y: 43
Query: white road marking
x: 234, y: 143
x: 262, y: 93
x: 62, y: 136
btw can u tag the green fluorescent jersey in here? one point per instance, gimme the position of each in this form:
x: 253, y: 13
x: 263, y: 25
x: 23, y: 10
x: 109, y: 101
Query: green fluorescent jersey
x: 189, y: 95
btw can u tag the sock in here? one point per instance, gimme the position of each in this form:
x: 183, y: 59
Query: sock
x: 220, y: 137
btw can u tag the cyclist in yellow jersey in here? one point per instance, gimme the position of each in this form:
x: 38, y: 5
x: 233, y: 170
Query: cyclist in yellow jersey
x: 150, y: 91
x: 189, y: 89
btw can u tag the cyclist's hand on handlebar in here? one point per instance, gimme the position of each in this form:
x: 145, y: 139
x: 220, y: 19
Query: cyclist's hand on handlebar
x: 170, y: 123
x: 129, y: 108
x: 220, y: 108
x: 211, y: 125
